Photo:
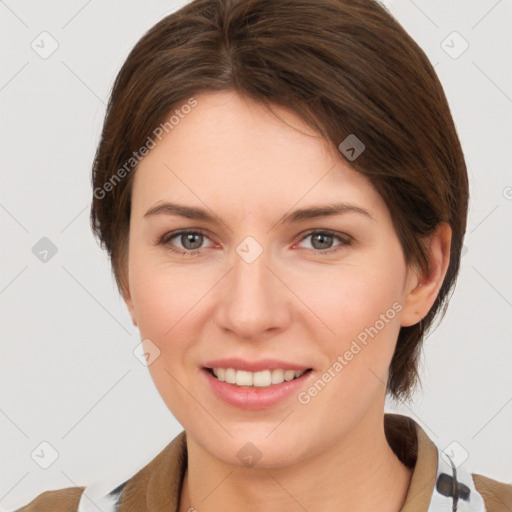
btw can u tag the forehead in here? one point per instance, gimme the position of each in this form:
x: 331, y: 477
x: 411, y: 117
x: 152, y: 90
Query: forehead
x: 224, y: 127
x: 233, y: 151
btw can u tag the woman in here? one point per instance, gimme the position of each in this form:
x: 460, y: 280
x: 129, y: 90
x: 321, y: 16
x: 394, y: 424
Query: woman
x: 283, y: 196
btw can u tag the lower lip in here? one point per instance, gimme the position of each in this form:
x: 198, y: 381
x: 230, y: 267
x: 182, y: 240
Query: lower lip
x: 254, y: 398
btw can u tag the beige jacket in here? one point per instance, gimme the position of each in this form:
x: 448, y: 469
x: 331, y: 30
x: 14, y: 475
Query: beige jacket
x: 436, y: 485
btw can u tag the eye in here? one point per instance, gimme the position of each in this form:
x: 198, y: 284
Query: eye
x: 190, y: 242
x: 322, y: 241
x: 185, y: 242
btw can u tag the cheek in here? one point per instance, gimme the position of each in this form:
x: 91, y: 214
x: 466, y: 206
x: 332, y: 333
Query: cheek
x: 165, y: 299
x: 360, y: 304
x: 167, y: 307
x: 157, y: 305
x: 364, y: 313
x: 354, y: 298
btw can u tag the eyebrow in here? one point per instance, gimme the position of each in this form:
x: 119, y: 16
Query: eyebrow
x: 299, y: 215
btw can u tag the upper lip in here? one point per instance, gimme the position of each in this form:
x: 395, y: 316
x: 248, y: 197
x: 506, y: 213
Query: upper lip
x: 254, y: 366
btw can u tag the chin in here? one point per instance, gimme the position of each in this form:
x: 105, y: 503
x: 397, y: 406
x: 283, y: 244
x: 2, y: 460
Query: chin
x: 254, y: 448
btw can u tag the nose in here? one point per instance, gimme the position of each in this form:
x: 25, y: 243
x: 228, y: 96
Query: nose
x: 254, y: 304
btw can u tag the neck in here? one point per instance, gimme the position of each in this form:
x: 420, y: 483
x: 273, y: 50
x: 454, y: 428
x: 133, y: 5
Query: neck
x: 359, y: 472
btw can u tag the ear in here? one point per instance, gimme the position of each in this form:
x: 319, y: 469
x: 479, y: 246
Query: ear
x: 422, y: 286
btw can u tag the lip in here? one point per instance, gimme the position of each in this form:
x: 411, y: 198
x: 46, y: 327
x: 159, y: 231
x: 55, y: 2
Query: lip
x: 255, y: 398
x: 254, y: 366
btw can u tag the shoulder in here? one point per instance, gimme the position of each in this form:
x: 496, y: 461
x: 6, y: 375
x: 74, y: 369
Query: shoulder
x: 61, y: 500
x: 77, y: 499
x: 159, y: 481
x: 452, y: 484
x: 497, y: 495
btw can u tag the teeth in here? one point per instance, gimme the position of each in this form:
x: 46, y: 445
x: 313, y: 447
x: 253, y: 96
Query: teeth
x: 261, y: 379
x: 230, y: 376
x: 243, y: 378
x: 289, y: 375
x: 277, y: 376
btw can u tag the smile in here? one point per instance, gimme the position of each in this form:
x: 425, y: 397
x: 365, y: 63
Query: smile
x: 261, y: 379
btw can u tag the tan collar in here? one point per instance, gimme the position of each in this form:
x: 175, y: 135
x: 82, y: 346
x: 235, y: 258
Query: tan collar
x: 415, y: 449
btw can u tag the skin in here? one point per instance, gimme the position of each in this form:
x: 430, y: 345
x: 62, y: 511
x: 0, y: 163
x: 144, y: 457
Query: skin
x: 249, y: 167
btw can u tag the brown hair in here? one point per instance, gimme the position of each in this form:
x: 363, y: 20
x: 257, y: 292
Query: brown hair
x: 345, y: 67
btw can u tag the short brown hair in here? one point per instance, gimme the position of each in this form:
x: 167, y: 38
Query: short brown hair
x: 345, y: 67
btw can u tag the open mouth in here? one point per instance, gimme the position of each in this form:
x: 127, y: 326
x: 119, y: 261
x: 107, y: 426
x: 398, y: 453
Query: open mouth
x: 261, y: 379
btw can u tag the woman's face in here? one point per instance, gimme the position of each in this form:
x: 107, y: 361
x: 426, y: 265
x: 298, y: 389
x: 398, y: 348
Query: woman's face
x: 264, y: 281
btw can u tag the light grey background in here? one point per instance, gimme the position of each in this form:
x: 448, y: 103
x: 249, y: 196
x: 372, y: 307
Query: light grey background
x: 69, y: 376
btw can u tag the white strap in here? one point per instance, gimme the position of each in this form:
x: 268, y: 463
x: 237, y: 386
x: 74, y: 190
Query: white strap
x: 454, y: 490
x: 95, y: 498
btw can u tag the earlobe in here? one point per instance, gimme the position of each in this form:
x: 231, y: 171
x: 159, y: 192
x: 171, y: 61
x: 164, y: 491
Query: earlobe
x: 422, y: 286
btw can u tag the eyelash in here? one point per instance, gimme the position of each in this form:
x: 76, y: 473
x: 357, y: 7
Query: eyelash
x: 345, y: 240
